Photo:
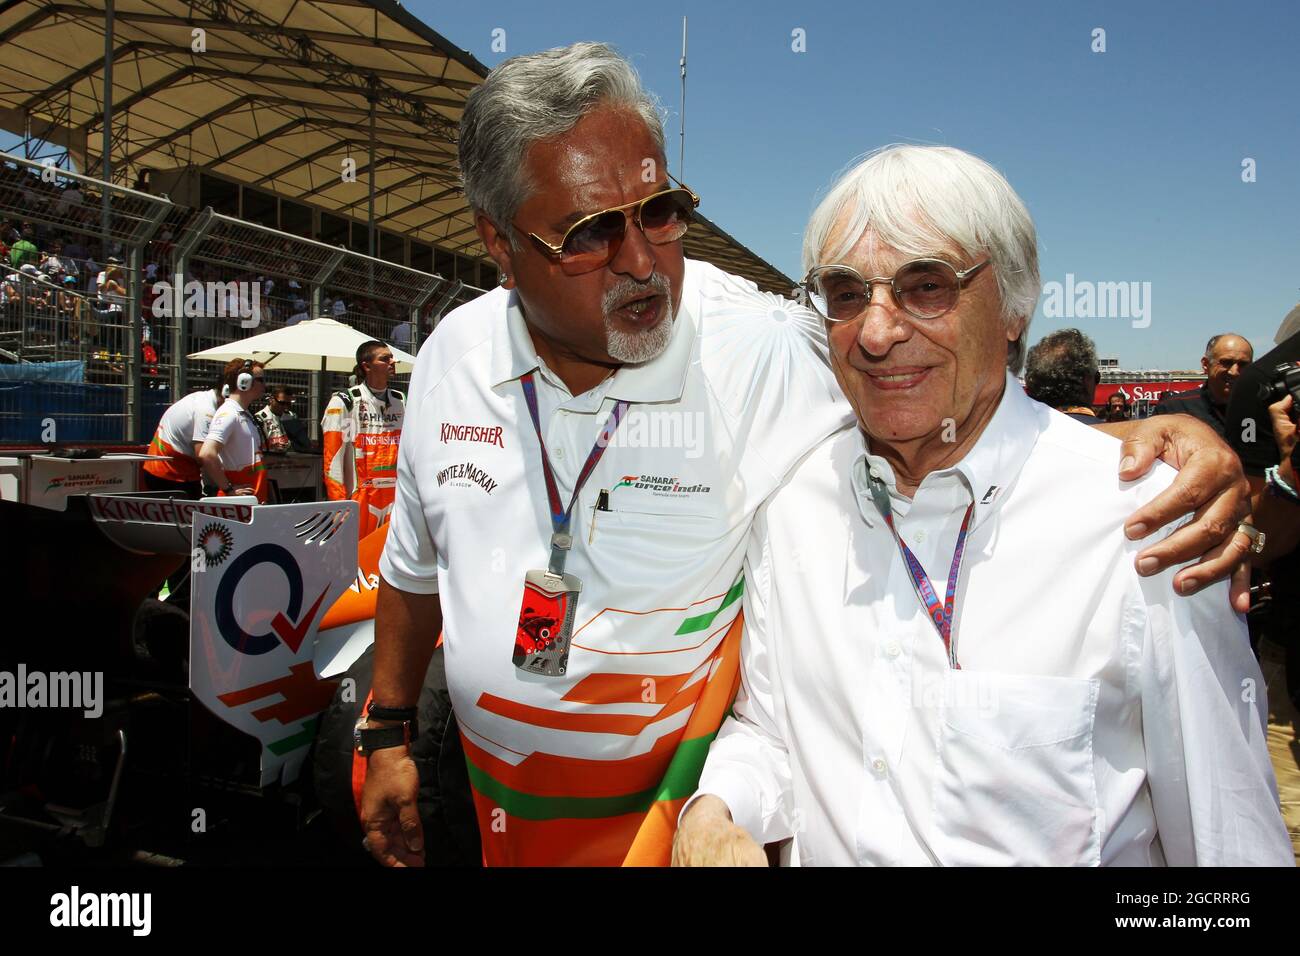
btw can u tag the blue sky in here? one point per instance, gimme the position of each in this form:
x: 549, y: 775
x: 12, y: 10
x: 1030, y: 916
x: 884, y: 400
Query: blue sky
x: 1129, y: 160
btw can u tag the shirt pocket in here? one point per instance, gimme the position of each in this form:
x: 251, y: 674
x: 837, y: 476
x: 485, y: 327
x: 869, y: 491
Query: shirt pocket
x: 1015, y: 782
x: 657, y: 542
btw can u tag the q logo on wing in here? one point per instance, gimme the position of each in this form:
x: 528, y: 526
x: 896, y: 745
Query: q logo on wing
x: 283, y: 627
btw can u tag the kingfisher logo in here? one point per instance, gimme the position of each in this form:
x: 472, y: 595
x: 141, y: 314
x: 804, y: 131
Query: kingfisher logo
x: 661, y: 485
x: 290, y: 628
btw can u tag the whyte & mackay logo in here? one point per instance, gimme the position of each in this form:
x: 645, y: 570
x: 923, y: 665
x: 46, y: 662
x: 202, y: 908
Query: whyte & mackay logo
x: 465, y: 475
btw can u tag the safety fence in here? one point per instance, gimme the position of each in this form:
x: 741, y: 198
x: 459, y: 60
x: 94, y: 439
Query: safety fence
x: 92, y: 343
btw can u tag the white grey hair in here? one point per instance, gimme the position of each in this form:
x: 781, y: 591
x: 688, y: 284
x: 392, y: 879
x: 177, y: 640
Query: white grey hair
x: 537, y: 97
x: 923, y: 199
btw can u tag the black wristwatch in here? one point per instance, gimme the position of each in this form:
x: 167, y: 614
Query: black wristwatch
x: 367, y: 740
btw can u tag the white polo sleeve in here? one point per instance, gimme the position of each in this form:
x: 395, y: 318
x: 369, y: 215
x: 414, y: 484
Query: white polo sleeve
x: 748, y: 766
x: 410, y: 560
x: 221, y: 426
x: 768, y: 363
x: 1204, y: 723
x: 202, y: 422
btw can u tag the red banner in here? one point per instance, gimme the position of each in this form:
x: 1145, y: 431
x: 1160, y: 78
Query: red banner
x: 1141, y: 391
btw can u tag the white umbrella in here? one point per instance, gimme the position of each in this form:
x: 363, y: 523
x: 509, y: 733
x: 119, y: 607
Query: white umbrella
x: 316, y: 345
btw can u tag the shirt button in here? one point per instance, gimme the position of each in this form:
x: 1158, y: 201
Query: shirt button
x: 875, y: 473
x: 878, y: 767
x: 920, y: 536
x: 892, y: 649
x: 559, y: 453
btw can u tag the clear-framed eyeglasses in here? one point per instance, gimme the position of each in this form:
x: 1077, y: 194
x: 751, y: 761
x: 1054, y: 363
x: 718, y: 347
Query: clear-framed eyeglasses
x: 923, y: 288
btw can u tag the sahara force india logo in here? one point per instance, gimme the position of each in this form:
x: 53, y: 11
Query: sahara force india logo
x: 283, y: 626
x: 661, y: 485
x: 81, y: 482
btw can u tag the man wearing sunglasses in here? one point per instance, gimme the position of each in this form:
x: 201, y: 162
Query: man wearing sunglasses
x: 965, y: 667
x: 585, y: 573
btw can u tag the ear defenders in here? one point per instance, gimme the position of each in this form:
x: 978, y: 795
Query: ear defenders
x: 245, y: 380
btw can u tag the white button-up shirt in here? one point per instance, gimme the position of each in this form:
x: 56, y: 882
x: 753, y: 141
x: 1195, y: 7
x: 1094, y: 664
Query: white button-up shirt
x: 1096, y: 718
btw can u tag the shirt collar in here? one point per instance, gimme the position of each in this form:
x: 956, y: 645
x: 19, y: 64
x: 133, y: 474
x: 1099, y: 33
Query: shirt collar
x: 513, y: 355
x: 662, y: 379
x: 987, y: 470
x: 380, y: 397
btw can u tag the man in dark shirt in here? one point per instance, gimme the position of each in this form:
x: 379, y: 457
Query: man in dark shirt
x: 1061, y: 371
x: 1225, y: 357
x: 1275, y: 625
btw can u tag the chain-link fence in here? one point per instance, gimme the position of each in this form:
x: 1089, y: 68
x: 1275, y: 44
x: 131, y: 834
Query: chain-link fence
x: 75, y: 364
x: 91, y: 336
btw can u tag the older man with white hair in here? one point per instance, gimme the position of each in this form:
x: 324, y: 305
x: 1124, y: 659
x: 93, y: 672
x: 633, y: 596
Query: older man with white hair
x: 950, y: 657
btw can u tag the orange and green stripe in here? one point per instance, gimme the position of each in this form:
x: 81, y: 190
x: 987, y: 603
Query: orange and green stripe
x: 599, y: 812
x: 704, y: 621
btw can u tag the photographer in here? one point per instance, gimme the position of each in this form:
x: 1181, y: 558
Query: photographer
x: 1261, y: 425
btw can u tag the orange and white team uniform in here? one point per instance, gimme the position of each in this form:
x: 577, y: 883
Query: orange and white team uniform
x: 184, y: 423
x: 361, y: 431
x: 241, y: 447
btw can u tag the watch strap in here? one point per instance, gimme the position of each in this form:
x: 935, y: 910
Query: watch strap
x: 377, y: 712
x: 369, y: 739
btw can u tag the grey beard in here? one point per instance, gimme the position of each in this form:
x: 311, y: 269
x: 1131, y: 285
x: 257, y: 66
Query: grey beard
x: 636, y: 348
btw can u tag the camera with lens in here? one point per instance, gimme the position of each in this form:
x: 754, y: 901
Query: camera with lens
x: 1284, y: 381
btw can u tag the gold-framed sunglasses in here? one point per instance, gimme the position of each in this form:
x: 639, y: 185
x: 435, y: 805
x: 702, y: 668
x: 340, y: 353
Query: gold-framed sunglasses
x: 593, y: 241
x: 923, y: 288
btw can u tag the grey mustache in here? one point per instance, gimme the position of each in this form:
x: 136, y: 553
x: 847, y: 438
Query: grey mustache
x: 629, y: 289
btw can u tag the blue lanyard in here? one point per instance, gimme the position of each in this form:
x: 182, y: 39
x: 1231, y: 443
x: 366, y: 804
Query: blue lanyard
x: 561, y: 540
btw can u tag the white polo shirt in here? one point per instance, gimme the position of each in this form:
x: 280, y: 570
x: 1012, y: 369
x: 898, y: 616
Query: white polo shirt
x: 741, y: 393
x: 187, y: 421
x: 1096, y: 718
x: 240, y: 438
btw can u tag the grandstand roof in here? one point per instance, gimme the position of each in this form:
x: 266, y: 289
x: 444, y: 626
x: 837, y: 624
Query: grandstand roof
x: 275, y: 94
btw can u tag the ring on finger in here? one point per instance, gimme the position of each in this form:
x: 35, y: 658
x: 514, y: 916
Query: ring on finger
x: 1257, y: 537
